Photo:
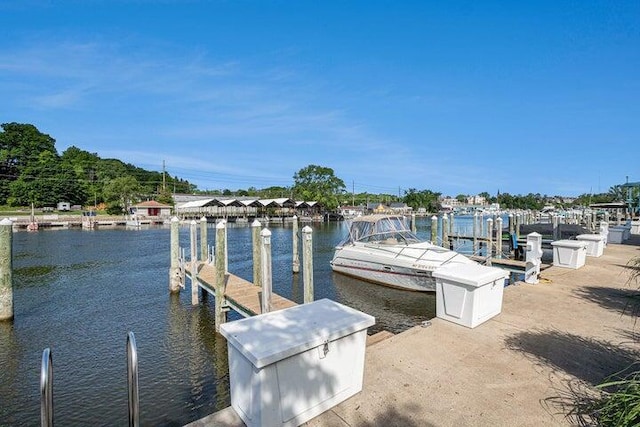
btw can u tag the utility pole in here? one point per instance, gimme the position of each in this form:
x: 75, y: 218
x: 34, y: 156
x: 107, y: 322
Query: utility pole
x: 164, y: 181
x: 353, y: 193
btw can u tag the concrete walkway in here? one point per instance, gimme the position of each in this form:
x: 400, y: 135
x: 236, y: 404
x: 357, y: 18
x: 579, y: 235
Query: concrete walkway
x: 551, y: 341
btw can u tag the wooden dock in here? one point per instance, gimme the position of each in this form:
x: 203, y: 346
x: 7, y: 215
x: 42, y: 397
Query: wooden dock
x: 507, y: 263
x: 241, y: 295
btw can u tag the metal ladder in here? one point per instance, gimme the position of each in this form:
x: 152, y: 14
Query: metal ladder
x: 46, y: 385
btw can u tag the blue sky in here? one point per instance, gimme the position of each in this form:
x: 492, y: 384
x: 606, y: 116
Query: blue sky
x: 455, y: 97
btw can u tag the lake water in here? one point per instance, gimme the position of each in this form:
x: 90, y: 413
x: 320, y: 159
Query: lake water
x: 80, y: 293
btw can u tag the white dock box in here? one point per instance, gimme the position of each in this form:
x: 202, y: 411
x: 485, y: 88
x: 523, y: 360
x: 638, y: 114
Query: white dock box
x: 635, y: 227
x: 287, y: 366
x: 616, y: 234
x: 569, y: 253
x: 469, y: 294
x: 595, y: 244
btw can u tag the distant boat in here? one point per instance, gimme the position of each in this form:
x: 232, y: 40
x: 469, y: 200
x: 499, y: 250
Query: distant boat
x: 381, y: 249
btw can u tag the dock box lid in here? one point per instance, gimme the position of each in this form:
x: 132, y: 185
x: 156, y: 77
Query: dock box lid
x: 271, y: 337
x: 470, y: 274
x: 590, y: 237
x: 569, y: 244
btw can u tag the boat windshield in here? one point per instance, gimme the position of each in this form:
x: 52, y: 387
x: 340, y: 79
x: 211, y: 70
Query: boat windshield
x: 384, y: 229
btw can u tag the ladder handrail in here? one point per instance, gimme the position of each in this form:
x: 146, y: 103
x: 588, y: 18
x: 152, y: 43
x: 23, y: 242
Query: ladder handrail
x: 46, y: 389
x: 132, y: 380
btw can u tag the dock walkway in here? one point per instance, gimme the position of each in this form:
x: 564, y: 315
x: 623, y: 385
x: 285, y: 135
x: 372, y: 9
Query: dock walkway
x: 524, y: 367
x: 241, y: 295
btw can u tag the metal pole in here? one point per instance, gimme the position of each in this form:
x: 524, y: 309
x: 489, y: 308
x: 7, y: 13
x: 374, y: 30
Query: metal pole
x: 6, y: 269
x: 221, y: 256
x: 132, y: 380
x: 296, y: 256
x: 307, y: 266
x: 265, y: 235
x: 46, y: 389
x: 257, y: 260
x: 174, y: 270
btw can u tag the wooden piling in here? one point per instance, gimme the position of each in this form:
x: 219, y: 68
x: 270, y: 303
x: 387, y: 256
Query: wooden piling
x: 451, y: 227
x: 445, y: 231
x: 6, y: 269
x: 475, y: 233
x: 499, y: 237
x: 518, y: 218
x: 257, y: 259
x: 194, y: 262
x: 512, y: 226
x: 265, y: 250
x: 554, y: 223
x: 489, y: 240
x: 174, y: 270
x: 307, y: 266
x: 413, y: 223
x: 434, y: 230
x: 204, y: 244
x: 221, y: 283
x: 294, y: 245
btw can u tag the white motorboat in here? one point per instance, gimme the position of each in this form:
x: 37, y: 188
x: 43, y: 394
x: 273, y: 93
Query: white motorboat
x: 381, y: 249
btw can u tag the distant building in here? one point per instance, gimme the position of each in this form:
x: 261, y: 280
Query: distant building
x: 64, y: 206
x: 151, y: 208
x: 476, y: 200
x: 351, y: 211
x: 400, y: 208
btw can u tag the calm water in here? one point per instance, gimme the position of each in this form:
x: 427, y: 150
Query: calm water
x: 80, y: 292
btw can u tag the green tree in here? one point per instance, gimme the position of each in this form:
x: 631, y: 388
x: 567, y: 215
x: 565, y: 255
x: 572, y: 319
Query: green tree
x: 422, y: 199
x: 122, y: 192
x: 318, y: 183
x: 461, y: 198
x: 20, y: 147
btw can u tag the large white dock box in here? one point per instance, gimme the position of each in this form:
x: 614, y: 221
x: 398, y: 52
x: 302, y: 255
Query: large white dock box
x: 569, y: 253
x: 469, y: 294
x: 287, y: 366
x: 595, y: 243
x: 616, y: 234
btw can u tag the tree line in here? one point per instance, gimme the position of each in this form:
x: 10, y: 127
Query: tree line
x: 32, y: 171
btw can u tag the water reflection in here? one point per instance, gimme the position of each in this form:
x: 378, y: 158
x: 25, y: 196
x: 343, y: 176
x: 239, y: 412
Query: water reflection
x: 395, y: 310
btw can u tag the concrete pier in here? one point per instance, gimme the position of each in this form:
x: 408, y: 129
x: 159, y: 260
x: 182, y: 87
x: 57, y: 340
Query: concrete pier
x: 524, y: 367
